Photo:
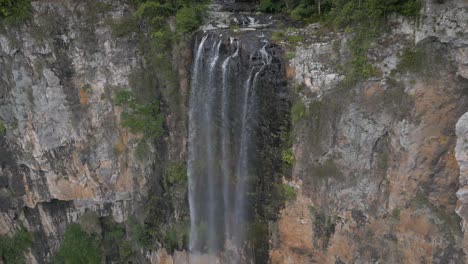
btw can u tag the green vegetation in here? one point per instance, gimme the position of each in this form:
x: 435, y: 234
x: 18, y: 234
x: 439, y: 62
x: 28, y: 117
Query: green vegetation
x: 86, y: 87
x: 343, y: 11
x: 124, y: 27
x: 234, y: 27
x: 286, y: 192
x: 382, y: 161
x: 156, y: 39
x: 144, y: 118
x: 176, y: 174
x: 298, y: 111
x: 256, y: 232
x: 175, y: 236
x: 412, y: 60
x: 142, y: 150
x: 294, y: 39
x: 157, y: 13
x: 141, y: 235
x: 271, y: 6
x: 324, y: 225
x: 277, y: 36
x: 396, y: 101
x: 396, y: 213
x: 12, y: 248
x: 364, y: 19
x: 188, y: 19
x: 114, y: 235
x: 288, y: 157
x: 78, y: 247
x: 291, y: 38
x: 2, y: 128
x: 358, y: 67
x: 15, y: 10
x: 290, y: 55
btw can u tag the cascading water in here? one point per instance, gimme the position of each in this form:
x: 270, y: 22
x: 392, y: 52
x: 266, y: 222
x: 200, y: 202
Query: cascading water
x: 222, y: 121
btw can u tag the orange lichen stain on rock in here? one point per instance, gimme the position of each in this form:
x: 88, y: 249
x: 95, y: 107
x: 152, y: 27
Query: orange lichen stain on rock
x: 414, y: 235
x: 379, y: 227
x: 83, y: 97
x: 161, y: 257
x: 75, y: 183
x: 121, y: 145
x: 426, y: 141
x: 414, y: 249
x: 70, y: 189
x: 372, y: 89
x: 295, y: 233
x: 290, y: 71
x: 414, y: 223
x: 340, y: 246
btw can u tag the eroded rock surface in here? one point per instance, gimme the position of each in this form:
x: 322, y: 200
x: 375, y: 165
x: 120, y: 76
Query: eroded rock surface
x: 376, y: 163
x: 64, y: 151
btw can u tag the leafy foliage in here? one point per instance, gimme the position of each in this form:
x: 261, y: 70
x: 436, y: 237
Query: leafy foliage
x: 324, y: 225
x: 288, y: 157
x: 154, y: 10
x: 124, y: 26
x: 271, y: 6
x: 256, y: 232
x: 188, y: 19
x: 298, y: 111
x: 78, y: 247
x: 342, y: 12
x: 286, y: 192
x: 176, y: 174
x: 2, y: 128
x: 12, y: 248
x: 145, y: 118
x: 412, y: 60
x: 365, y: 19
x: 175, y: 236
x: 15, y: 10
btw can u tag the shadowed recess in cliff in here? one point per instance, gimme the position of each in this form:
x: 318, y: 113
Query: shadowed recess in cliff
x: 223, y: 119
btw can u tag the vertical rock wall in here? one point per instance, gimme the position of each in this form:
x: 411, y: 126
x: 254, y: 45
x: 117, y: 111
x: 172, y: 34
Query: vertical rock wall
x: 376, y: 170
x: 64, y: 151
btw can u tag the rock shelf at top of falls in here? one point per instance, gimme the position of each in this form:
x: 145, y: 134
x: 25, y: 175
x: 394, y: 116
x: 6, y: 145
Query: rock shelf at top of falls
x: 220, y: 16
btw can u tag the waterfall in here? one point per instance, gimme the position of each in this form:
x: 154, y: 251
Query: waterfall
x: 221, y: 147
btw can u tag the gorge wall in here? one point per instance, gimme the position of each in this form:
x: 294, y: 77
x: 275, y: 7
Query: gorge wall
x: 376, y: 163
x: 370, y: 172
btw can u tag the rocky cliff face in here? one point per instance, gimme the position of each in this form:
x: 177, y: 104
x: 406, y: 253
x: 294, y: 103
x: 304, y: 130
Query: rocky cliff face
x: 377, y: 172
x: 380, y: 166
x: 64, y: 152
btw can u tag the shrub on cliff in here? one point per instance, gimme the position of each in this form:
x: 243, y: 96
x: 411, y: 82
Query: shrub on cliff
x: 143, y: 118
x: 78, y: 247
x: 15, y: 10
x: 2, y: 128
x: 12, y: 248
x: 188, y: 19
